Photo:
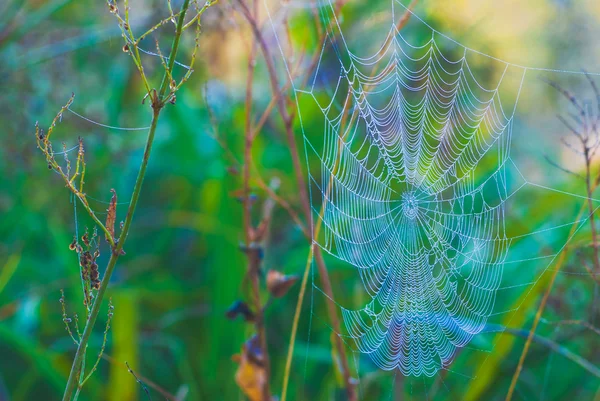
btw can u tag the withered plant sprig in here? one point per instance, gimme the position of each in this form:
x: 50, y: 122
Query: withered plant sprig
x: 583, y: 126
x: 66, y: 319
x: 44, y: 144
x: 287, y: 115
x: 159, y: 98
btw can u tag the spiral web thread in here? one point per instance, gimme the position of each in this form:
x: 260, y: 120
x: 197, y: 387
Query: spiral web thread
x: 412, y: 176
x: 430, y: 253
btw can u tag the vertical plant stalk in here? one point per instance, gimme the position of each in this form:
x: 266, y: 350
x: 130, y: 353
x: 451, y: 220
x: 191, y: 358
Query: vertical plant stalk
x: 288, y: 361
x: 157, y: 105
x: 288, y: 124
x: 252, y: 251
x: 311, y: 253
x: 590, y: 191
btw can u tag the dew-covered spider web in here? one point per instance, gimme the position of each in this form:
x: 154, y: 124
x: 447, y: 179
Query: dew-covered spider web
x: 423, y: 192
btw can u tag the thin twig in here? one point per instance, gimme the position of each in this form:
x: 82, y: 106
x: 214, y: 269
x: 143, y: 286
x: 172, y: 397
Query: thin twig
x: 45, y: 145
x: 252, y: 251
x: 141, y: 383
x: 147, y: 381
x: 66, y: 319
x: 104, y: 341
x: 288, y: 361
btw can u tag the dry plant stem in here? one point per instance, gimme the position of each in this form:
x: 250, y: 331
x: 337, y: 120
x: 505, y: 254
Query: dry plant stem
x: 157, y: 106
x: 46, y: 147
x: 167, y: 395
x: 590, y: 191
x: 288, y: 122
x: 281, y: 106
x: 313, y: 246
x: 590, y: 188
x: 87, y: 331
x: 285, y: 205
x: 252, y: 251
x: 141, y: 383
x: 288, y: 361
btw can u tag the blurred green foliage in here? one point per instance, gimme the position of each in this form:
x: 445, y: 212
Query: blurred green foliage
x: 183, y: 267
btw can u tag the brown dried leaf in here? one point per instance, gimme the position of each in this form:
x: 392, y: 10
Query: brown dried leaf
x: 258, y: 234
x: 111, y: 217
x: 251, y: 375
x: 73, y: 245
x: 279, y: 284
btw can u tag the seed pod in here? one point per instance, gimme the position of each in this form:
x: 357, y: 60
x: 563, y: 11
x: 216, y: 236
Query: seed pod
x: 279, y: 284
x: 111, y: 216
x: 94, y: 275
x: 85, y: 239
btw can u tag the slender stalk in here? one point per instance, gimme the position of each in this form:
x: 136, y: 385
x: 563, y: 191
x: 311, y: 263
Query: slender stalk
x: 288, y: 361
x: 89, y: 327
x: 251, y: 251
x: 157, y: 105
x: 588, y: 182
x: 44, y: 144
x: 288, y: 123
x: 168, y: 396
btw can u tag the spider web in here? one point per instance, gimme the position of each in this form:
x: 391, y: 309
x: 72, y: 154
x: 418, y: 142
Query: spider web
x: 403, y: 206
x: 412, y: 182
